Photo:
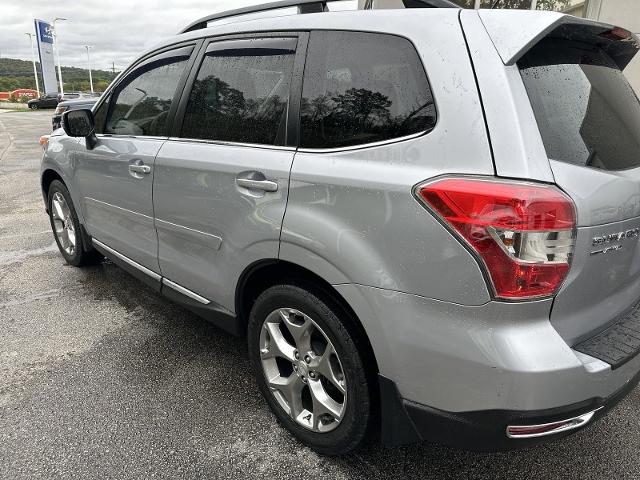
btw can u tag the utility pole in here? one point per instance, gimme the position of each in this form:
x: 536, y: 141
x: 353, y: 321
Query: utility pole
x: 88, y: 47
x: 476, y: 4
x: 33, y: 60
x: 57, y: 47
x: 534, y: 4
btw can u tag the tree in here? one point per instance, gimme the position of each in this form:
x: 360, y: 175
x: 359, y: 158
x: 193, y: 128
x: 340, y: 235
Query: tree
x: 522, y: 4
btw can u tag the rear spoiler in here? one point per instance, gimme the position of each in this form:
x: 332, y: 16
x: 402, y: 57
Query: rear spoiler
x: 514, y: 32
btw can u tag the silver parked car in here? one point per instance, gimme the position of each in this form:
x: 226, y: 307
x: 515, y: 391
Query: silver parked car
x: 424, y: 220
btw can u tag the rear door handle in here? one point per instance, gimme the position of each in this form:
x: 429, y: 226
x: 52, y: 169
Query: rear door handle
x: 265, y: 185
x: 146, y: 169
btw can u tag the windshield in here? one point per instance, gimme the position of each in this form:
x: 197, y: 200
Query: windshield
x: 587, y: 112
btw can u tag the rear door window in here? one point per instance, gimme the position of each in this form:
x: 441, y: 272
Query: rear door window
x: 587, y: 112
x: 241, y: 93
x: 362, y: 88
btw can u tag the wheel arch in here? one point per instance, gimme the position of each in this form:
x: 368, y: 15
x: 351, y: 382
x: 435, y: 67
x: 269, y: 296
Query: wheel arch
x: 48, y: 176
x: 46, y: 179
x: 262, y: 274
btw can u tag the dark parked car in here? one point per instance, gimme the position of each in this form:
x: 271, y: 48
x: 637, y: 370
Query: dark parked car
x: 49, y: 100
x: 85, y: 102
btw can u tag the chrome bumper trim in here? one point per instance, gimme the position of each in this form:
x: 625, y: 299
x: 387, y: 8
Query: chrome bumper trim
x: 553, y: 428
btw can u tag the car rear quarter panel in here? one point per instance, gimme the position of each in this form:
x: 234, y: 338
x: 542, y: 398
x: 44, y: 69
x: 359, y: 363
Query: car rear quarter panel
x: 351, y: 216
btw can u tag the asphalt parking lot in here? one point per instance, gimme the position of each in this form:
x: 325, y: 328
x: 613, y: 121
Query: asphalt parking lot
x: 102, y: 378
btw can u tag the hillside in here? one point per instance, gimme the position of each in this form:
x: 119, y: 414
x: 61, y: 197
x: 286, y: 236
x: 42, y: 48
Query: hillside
x: 15, y: 73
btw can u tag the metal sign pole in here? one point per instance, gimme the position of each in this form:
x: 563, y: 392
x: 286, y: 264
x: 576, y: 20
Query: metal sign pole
x: 88, y: 47
x: 33, y: 60
x: 57, y: 49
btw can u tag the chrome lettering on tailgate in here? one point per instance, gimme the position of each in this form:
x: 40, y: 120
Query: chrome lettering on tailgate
x: 611, y: 238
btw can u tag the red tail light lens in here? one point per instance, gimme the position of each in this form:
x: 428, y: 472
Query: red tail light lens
x: 616, y: 34
x: 522, y: 232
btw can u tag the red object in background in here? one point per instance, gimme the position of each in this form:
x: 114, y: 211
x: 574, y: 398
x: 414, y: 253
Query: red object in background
x: 21, y: 92
x: 24, y: 92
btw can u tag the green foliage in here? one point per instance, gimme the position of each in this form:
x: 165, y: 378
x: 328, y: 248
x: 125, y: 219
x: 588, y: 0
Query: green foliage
x: 556, y: 5
x: 15, y: 73
x: 19, y: 98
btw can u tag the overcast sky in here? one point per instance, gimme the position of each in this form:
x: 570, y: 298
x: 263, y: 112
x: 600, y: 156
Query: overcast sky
x: 118, y: 30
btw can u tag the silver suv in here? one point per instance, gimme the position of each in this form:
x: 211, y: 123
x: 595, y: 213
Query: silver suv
x: 424, y: 220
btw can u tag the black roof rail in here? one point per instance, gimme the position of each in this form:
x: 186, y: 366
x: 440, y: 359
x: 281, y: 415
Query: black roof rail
x: 304, y: 6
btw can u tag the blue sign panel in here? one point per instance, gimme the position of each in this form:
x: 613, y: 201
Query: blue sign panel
x: 44, y: 37
x: 46, y: 32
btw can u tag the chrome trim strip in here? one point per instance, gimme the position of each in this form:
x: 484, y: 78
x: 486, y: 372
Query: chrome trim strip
x: 137, y: 137
x: 127, y: 260
x: 365, y: 145
x: 563, y: 426
x: 119, y: 208
x: 303, y: 150
x: 151, y: 273
x: 185, y: 291
x: 191, y: 234
x: 232, y: 144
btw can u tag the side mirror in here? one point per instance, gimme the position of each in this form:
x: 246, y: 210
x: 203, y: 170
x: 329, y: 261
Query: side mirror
x: 80, y: 123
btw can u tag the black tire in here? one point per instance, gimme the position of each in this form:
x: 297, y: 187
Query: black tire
x: 82, y: 254
x: 33, y: 106
x: 356, y: 422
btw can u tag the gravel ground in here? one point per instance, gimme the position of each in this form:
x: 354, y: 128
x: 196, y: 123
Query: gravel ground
x: 102, y: 378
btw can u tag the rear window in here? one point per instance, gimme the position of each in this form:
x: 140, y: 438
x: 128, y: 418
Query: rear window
x: 362, y: 88
x: 587, y: 112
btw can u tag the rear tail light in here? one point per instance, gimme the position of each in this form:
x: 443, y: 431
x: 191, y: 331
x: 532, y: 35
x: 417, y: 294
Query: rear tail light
x: 522, y: 232
x: 616, y: 34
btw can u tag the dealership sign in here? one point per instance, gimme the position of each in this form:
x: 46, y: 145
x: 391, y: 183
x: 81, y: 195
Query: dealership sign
x: 44, y: 36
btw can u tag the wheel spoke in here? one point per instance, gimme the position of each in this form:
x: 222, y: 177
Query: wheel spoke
x: 323, y: 404
x: 299, y: 326
x: 58, y: 226
x: 71, y: 235
x: 326, y: 369
x: 57, y: 211
x: 291, y: 389
x: 63, y: 236
x: 278, y: 345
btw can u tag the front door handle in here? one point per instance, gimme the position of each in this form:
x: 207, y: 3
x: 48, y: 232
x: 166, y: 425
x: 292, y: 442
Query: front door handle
x: 146, y: 169
x: 265, y: 185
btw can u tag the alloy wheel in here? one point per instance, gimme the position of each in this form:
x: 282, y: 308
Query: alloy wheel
x: 63, y: 223
x: 303, y: 370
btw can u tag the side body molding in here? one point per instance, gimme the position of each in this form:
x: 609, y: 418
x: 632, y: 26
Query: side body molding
x: 203, y: 307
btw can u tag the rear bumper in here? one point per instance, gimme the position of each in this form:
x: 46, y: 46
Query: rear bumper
x: 405, y: 421
x: 462, y: 374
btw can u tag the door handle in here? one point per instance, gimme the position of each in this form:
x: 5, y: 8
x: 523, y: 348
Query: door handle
x: 265, y: 185
x: 146, y: 169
